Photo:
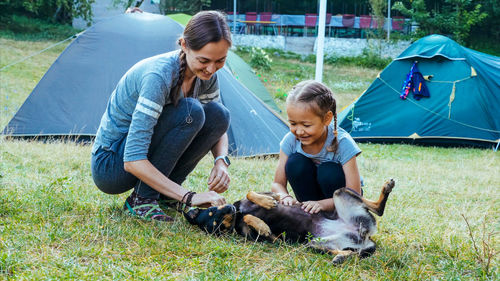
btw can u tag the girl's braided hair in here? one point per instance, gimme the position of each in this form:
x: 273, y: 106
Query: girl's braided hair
x: 203, y: 28
x: 320, y: 99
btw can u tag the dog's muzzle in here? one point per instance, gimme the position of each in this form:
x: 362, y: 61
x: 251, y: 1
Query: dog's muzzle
x: 213, y: 220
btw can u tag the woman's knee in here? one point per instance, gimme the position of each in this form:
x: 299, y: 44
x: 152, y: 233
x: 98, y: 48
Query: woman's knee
x: 218, y: 115
x: 192, y: 111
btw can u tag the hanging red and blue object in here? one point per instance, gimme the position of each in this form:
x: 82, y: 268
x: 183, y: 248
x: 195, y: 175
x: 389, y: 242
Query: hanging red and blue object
x: 415, y: 83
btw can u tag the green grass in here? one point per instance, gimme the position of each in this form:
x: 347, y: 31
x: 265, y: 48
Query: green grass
x: 55, y: 224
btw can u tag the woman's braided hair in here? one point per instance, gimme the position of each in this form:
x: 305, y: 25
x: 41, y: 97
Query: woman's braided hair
x: 320, y: 99
x: 203, y: 28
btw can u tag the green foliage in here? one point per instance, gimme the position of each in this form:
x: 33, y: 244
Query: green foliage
x: 181, y: 6
x: 61, y: 11
x: 378, y: 10
x: 260, y: 59
x: 280, y: 94
x: 24, y: 28
x: 368, y: 59
x: 455, y: 17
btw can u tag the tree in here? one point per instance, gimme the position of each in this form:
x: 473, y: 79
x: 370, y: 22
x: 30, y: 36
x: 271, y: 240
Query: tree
x: 454, y: 17
x: 61, y: 11
x: 173, y: 6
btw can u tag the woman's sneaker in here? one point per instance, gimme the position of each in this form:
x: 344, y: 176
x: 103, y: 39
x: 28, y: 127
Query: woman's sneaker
x: 145, y: 208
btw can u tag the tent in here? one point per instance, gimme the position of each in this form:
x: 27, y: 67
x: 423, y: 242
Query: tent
x: 71, y: 97
x: 463, y: 107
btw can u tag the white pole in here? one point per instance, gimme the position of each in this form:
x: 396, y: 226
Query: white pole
x: 234, y: 16
x: 389, y: 22
x: 321, y: 41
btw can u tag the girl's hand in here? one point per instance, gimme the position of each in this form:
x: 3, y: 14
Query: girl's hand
x: 287, y: 199
x: 312, y: 207
x: 219, y: 178
x: 207, y: 199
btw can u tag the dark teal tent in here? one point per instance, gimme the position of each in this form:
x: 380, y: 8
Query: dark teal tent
x: 71, y: 97
x: 463, y: 107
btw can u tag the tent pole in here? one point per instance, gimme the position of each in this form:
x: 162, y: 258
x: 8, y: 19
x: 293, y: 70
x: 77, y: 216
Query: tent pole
x: 321, y: 40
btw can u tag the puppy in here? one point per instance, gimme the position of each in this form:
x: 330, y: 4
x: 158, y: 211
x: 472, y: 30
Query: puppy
x: 344, y: 232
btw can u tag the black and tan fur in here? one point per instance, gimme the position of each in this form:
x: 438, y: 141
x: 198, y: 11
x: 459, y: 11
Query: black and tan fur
x: 343, y: 232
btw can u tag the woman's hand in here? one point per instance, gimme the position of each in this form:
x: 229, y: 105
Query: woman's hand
x: 207, y: 199
x: 219, y: 178
x: 312, y: 207
x: 287, y: 199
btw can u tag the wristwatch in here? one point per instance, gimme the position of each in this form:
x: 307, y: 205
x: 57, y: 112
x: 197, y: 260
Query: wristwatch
x: 224, y: 158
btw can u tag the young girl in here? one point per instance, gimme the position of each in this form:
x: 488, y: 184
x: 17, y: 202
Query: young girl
x: 316, y: 156
x: 161, y: 120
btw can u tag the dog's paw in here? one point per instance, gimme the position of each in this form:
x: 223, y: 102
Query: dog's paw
x: 265, y: 201
x: 388, y: 186
x: 258, y: 225
x: 339, y: 259
x: 268, y: 202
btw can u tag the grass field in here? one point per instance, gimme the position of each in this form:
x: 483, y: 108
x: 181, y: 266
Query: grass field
x: 441, y: 222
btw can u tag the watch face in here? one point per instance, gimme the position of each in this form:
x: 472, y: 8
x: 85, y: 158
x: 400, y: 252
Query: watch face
x: 226, y: 159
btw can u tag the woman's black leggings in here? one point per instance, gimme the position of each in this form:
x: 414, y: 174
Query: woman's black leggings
x: 310, y: 182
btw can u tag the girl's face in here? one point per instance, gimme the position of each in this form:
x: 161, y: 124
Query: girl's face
x: 306, y: 125
x: 206, y: 61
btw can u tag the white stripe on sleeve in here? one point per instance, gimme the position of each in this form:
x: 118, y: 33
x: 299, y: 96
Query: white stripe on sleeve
x: 147, y: 111
x: 212, y: 95
x: 150, y: 103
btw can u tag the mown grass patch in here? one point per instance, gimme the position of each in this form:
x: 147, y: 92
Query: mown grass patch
x: 55, y: 224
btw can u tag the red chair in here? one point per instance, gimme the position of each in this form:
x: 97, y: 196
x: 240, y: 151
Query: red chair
x: 365, y: 22
x: 348, y: 20
x: 398, y: 23
x: 311, y: 20
x: 266, y: 16
x: 327, y: 22
x: 347, y: 23
x: 250, y: 16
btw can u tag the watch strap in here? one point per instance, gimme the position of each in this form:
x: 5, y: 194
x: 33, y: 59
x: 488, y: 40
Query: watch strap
x: 223, y: 157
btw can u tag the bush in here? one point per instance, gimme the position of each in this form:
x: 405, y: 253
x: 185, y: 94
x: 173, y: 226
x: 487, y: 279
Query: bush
x: 260, y: 59
x: 280, y: 94
x: 60, y: 11
x: 367, y: 59
x: 24, y: 28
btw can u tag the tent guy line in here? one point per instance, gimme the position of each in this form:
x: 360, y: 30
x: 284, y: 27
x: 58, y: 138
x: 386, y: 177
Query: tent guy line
x: 39, y: 52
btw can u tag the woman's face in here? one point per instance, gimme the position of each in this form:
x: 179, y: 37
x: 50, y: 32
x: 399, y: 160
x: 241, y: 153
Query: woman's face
x: 206, y: 61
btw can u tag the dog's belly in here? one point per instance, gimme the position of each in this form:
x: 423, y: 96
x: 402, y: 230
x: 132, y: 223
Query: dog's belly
x: 328, y: 227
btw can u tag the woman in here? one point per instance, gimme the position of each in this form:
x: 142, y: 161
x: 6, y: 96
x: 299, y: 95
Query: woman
x: 162, y: 119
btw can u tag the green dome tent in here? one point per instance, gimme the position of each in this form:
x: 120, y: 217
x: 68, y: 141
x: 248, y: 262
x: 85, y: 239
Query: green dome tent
x: 71, y: 97
x: 463, y: 107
